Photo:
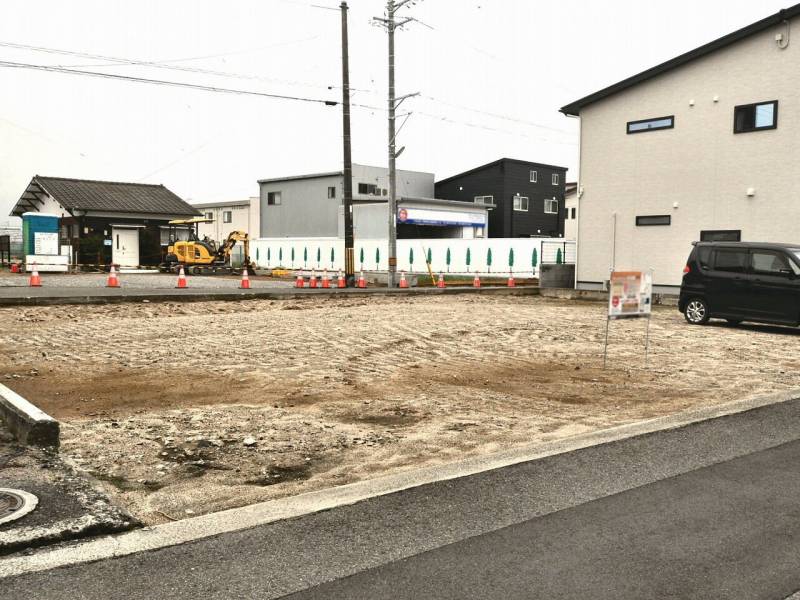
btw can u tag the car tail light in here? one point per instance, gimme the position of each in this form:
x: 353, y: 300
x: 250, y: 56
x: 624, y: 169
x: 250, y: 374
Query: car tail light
x: 686, y: 269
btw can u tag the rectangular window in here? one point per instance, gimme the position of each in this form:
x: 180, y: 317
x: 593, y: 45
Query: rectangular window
x: 484, y: 200
x: 573, y: 213
x: 551, y: 206
x: 731, y: 260
x: 566, y: 214
x: 722, y: 235
x: 210, y: 216
x: 273, y: 198
x: 368, y: 189
x: 651, y: 124
x: 227, y: 216
x: 521, y: 203
x: 534, y: 176
x: 332, y: 192
x: 652, y: 220
x: 554, y: 178
x: 755, y: 117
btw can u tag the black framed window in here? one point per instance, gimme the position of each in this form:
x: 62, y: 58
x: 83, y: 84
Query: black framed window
x: 721, y: 235
x: 273, y: 198
x: 651, y: 124
x: 332, y: 191
x: 653, y: 220
x: 227, y: 216
x: 755, y: 117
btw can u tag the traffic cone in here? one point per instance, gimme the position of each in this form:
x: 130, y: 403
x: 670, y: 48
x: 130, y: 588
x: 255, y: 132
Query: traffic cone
x: 340, y: 281
x: 403, y: 282
x: 245, y: 284
x: 440, y: 283
x: 113, y: 280
x: 299, y: 281
x: 326, y: 283
x: 477, y: 281
x: 362, y: 283
x: 511, y: 282
x: 35, y: 280
x: 181, y: 279
x: 312, y: 283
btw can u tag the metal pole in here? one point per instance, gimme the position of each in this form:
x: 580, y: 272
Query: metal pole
x: 347, y: 201
x: 392, y: 255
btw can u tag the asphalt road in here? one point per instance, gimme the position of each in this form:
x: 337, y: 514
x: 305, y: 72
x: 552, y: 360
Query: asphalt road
x: 727, y: 531
x: 704, y: 511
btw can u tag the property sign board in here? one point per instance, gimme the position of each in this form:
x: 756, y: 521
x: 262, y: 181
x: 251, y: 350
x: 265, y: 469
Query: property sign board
x: 630, y: 294
x: 45, y: 243
x: 426, y: 216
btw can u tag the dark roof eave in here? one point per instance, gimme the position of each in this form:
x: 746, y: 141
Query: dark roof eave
x: 498, y: 161
x: 574, y: 108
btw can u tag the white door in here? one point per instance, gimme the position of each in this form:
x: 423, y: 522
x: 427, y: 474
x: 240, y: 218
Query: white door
x: 125, y: 245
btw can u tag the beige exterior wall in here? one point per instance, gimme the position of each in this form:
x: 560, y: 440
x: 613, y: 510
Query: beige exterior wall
x: 245, y: 216
x: 698, y: 172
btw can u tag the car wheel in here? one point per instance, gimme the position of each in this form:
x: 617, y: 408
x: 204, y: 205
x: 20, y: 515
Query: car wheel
x: 734, y: 322
x: 696, y: 312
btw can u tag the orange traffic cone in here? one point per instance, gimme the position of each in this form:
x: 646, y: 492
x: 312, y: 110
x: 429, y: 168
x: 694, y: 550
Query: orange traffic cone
x: 312, y: 283
x: 299, y: 281
x: 403, y: 282
x: 245, y: 284
x: 113, y: 280
x: 181, y: 279
x: 477, y: 281
x: 440, y: 283
x: 35, y: 280
x: 362, y: 283
x: 340, y: 282
x: 511, y: 282
x: 326, y: 283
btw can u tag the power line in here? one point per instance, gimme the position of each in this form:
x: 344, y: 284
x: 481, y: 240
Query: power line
x: 180, y: 84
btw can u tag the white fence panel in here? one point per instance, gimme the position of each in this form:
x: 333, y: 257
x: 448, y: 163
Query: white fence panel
x: 454, y: 255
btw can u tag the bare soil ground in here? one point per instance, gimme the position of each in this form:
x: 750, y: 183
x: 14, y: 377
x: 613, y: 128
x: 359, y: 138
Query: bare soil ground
x: 184, y: 409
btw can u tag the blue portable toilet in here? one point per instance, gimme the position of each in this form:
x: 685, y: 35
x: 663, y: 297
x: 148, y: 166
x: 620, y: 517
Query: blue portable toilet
x: 40, y: 234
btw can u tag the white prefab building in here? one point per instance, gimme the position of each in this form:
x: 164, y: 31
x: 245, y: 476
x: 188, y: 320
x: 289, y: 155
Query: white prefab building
x: 571, y: 211
x: 702, y: 147
x: 237, y: 215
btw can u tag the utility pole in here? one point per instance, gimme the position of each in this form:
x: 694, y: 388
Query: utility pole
x: 391, y: 25
x: 347, y: 201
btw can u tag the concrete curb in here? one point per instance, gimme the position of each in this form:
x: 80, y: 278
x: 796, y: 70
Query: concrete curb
x: 118, y: 296
x: 214, y: 524
x: 29, y: 425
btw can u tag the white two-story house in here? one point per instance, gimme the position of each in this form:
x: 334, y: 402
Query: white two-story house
x: 705, y: 146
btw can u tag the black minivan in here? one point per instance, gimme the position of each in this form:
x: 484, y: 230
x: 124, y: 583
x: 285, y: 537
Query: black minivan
x: 742, y: 281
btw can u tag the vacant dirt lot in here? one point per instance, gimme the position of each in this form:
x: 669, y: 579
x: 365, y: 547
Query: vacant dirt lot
x: 189, y: 408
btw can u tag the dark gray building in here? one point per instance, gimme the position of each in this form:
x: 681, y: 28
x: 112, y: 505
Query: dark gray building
x: 528, y: 196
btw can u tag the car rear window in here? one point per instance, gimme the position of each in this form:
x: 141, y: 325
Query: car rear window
x: 704, y: 256
x: 730, y: 260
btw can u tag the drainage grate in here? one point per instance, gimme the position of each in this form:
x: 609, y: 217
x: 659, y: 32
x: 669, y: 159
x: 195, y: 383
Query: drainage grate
x: 15, y: 504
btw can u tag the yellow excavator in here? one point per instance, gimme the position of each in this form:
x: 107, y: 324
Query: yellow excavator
x: 203, y: 256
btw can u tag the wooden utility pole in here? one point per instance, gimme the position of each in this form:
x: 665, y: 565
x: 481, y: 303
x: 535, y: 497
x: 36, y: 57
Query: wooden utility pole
x: 349, y: 258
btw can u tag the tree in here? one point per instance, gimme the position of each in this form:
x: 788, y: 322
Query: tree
x: 511, y: 257
x: 489, y: 259
x: 469, y: 257
x: 447, y: 260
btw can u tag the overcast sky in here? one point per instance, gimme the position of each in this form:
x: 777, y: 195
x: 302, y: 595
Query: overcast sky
x: 496, y: 70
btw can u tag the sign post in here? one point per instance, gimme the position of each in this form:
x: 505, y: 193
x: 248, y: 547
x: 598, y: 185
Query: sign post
x: 630, y: 295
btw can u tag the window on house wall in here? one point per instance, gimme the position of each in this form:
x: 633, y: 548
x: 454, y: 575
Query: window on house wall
x: 573, y: 213
x: 332, y: 191
x: 653, y: 220
x: 484, y: 199
x: 551, y: 206
x: 273, y: 198
x: 651, y: 124
x: 755, y: 117
x: 369, y: 189
x: 721, y: 235
x: 554, y: 178
x: 521, y: 203
x: 227, y: 216
x: 534, y: 176
x: 210, y: 216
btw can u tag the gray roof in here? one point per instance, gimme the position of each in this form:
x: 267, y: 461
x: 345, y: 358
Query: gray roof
x: 107, y: 196
x: 308, y: 176
x: 501, y: 160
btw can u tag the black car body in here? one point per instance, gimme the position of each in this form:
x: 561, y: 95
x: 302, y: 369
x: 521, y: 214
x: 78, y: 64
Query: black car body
x: 742, y: 281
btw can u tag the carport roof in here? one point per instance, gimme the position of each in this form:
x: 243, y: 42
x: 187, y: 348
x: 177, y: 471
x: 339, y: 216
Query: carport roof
x: 103, y: 196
